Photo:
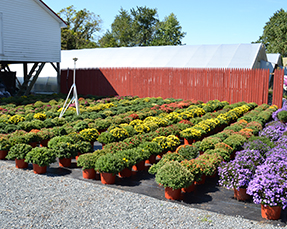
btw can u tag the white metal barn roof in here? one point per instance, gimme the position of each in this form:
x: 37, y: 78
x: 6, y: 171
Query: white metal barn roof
x: 187, y: 56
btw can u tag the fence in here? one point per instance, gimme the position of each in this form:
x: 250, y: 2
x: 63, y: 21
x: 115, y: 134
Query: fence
x: 232, y: 85
x: 278, y: 87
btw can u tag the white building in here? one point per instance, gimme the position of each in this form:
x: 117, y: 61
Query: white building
x: 30, y: 33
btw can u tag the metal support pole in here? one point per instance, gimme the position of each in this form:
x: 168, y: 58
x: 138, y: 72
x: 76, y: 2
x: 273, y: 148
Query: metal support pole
x: 75, y: 95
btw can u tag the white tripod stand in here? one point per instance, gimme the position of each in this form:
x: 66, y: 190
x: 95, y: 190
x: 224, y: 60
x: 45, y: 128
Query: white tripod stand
x: 75, y: 95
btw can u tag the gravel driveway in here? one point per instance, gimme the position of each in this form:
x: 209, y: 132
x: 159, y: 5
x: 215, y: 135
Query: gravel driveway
x: 28, y: 200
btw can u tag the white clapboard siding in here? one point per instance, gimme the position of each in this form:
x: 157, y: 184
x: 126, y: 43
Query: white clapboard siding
x: 30, y: 33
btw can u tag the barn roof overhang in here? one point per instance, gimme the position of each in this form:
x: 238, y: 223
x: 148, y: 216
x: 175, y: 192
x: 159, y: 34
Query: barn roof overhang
x: 63, y: 24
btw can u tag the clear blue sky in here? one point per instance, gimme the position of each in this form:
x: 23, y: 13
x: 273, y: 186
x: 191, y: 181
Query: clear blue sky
x: 205, y: 22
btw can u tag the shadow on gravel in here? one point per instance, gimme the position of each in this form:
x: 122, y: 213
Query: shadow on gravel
x: 56, y: 172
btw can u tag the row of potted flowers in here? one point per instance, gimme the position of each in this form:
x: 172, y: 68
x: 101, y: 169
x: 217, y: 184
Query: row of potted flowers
x: 260, y: 169
x: 221, y: 146
x: 174, y: 129
x: 166, y: 143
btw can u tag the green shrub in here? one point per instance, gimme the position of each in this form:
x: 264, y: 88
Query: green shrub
x: 41, y: 156
x: 88, y: 160
x: 282, y: 116
x: 174, y: 175
x: 166, y: 158
x: 188, y: 152
x: 65, y: 150
x: 109, y: 163
x: 235, y: 141
x: 18, y: 151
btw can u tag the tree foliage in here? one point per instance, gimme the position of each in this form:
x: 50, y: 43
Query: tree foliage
x: 275, y: 33
x: 80, y: 30
x: 141, y: 27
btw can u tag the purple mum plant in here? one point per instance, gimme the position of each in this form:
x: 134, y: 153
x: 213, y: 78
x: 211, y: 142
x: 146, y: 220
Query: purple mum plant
x: 269, y: 185
x: 239, y: 172
x: 275, y: 114
x: 273, y: 130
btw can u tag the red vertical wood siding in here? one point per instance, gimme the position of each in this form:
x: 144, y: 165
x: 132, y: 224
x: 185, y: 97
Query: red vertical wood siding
x: 232, y: 85
x: 278, y: 87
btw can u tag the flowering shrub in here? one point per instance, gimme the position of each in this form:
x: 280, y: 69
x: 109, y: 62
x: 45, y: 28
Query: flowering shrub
x: 119, y: 133
x: 89, y: 134
x: 194, y: 167
x: 239, y: 172
x: 142, y: 128
x: 269, y: 186
x: 188, y: 151
x: 109, y: 163
x: 167, y: 143
x: 235, y: 141
x: 207, y: 167
x: 65, y: 150
x: 16, y: 119
x: 191, y: 133
x: 88, y: 160
x: 255, y: 126
x: 41, y: 156
x: 166, y: 158
x: 247, y: 133
x: 40, y: 116
x: 273, y: 130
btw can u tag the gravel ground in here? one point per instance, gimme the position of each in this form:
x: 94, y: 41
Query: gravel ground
x: 28, y: 200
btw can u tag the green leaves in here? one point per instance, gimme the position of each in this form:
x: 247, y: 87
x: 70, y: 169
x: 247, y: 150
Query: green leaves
x: 18, y: 151
x: 141, y: 27
x: 81, y: 27
x: 174, y: 175
x: 274, y: 35
x: 109, y: 163
x: 41, y: 156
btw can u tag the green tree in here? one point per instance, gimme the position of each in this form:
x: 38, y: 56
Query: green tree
x: 80, y: 30
x: 275, y: 33
x: 141, y: 27
x: 168, y: 32
x: 144, y: 23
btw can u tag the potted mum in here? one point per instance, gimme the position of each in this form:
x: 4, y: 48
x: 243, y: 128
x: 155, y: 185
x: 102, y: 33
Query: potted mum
x: 238, y: 173
x: 140, y: 156
x: 83, y: 147
x: 153, y: 148
x: 87, y: 162
x: 40, y: 157
x: 268, y: 187
x: 18, y: 153
x: 89, y: 135
x: 106, y: 138
x: 173, y: 176
x: 4, y: 147
x: 128, y: 159
x: 108, y: 166
x: 33, y: 138
x: 45, y: 135
x: 18, y: 137
x: 190, y: 135
x: 65, y: 151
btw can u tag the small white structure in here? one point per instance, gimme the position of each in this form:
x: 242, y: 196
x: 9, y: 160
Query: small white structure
x: 30, y: 33
x: 187, y: 56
